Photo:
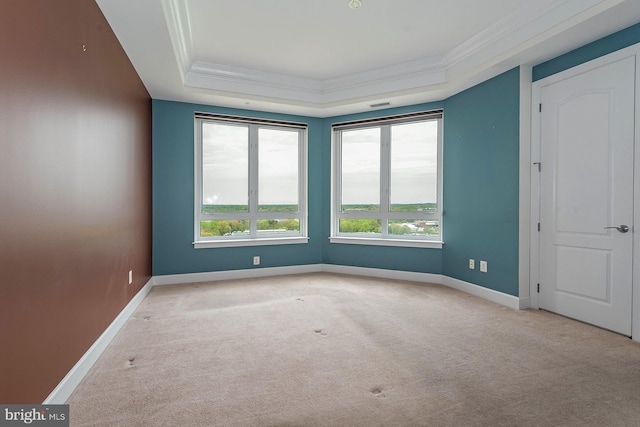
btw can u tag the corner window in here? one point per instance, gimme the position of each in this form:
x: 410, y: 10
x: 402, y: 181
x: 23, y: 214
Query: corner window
x: 250, y: 182
x: 387, y: 181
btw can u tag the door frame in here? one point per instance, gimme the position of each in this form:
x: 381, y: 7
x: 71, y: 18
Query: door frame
x: 530, y: 174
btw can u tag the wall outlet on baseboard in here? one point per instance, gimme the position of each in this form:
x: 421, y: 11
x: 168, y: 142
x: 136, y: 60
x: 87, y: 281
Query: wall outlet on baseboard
x: 472, y: 264
x: 483, y: 266
x: 130, y: 276
x: 256, y: 260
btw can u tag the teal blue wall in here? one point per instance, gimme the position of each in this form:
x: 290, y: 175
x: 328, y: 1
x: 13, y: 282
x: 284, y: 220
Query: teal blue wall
x: 616, y: 41
x: 481, y: 155
x: 173, y: 198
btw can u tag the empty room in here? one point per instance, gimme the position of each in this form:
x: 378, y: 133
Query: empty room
x: 320, y: 213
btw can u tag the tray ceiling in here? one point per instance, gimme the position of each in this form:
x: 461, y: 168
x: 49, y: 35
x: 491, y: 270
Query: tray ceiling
x: 322, y: 58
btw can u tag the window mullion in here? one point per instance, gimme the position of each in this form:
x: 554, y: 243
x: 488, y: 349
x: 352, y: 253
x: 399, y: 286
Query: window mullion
x: 439, y: 162
x: 198, y: 178
x: 337, y: 183
x: 385, y: 177
x: 302, y: 181
x: 254, y: 163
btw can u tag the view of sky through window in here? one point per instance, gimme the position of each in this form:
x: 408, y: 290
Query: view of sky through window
x: 414, y: 163
x: 225, y: 167
x: 225, y: 164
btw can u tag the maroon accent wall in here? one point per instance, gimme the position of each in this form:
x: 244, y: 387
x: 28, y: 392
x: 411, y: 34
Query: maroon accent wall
x: 75, y: 189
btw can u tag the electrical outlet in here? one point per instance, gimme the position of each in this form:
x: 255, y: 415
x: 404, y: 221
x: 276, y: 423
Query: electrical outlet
x: 483, y: 266
x: 256, y: 260
x: 472, y: 264
x: 130, y: 276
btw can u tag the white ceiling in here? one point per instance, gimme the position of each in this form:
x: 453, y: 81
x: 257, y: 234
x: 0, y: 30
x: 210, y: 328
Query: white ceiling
x: 321, y: 58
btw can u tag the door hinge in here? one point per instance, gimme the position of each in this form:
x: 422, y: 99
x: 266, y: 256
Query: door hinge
x: 538, y: 226
x: 538, y: 287
x: 539, y: 108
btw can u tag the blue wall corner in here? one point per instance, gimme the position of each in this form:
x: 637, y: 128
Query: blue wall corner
x: 616, y: 41
x: 481, y: 155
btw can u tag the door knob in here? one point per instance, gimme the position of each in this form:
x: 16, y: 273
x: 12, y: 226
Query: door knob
x: 621, y: 228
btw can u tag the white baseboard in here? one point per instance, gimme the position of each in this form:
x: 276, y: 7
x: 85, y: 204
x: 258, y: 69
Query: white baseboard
x: 65, y: 388
x: 175, y: 279
x: 69, y: 383
x: 470, y: 288
x: 382, y: 273
x: 525, y: 302
x: 482, y: 292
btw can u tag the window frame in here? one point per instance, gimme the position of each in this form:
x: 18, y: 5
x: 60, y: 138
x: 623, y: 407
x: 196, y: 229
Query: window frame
x: 255, y: 237
x: 384, y: 214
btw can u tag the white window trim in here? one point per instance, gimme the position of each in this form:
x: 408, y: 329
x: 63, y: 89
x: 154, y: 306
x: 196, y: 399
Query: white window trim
x: 263, y: 241
x: 412, y: 243
x: 256, y: 238
x: 382, y: 239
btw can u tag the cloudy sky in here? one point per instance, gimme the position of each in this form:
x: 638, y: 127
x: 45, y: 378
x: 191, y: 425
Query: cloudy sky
x: 413, y: 164
x: 225, y: 165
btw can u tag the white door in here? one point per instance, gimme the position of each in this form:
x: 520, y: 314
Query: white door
x: 586, y: 185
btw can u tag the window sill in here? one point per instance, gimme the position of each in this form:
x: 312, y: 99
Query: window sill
x: 387, y: 242
x: 203, y: 244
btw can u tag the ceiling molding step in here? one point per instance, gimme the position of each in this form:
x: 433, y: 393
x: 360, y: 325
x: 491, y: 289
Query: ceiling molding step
x: 370, y: 86
x: 176, y: 13
x: 507, y: 26
x: 425, y: 67
x: 244, y: 81
x: 249, y: 76
x: 248, y: 82
x: 517, y: 32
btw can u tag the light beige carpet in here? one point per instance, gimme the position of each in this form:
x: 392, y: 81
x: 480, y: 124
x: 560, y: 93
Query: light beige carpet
x: 333, y: 350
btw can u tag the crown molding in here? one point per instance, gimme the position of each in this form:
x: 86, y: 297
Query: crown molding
x: 335, y: 91
x: 521, y: 30
x: 224, y: 78
x: 394, y: 78
x: 507, y: 27
x: 476, y: 56
x: 176, y: 14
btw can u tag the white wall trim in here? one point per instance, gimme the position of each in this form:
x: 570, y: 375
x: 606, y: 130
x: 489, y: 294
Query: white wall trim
x: 534, y: 194
x: 524, y: 303
x: 65, y: 388
x: 383, y: 273
x: 175, y: 279
x: 525, y: 167
x: 635, y: 305
x: 69, y: 383
x: 470, y: 288
x: 482, y: 292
